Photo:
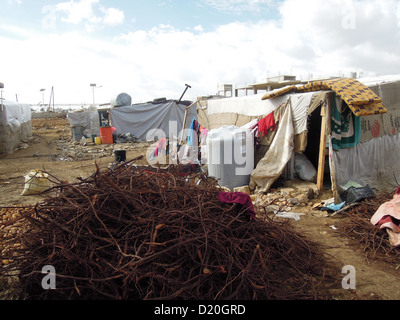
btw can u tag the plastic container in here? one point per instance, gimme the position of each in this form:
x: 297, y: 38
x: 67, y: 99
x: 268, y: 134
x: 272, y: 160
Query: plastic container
x: 106, y: 135
x: 353, y: 194
x: 97, y: 140
x: 120, y: 155
x: 230, y: 151
x: 77, y: 133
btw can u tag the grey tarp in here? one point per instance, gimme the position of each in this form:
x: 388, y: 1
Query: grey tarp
x: 87, y: 119
x: 141, y: 119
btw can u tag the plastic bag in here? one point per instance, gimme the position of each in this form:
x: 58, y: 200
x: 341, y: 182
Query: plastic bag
x: 304, y: 168
x: 36, y: 182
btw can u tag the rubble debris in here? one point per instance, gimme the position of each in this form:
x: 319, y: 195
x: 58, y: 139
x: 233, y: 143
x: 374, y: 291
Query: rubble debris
x: 284, y: 199
x: 144, y: 233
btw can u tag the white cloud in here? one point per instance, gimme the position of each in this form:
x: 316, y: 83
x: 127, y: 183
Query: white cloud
x: 113, y: 17
x: 198, y: 28
x: 76, y: 12
x: 238, y: 5
x: 89, y: 13
x: 18, y: 2
x: 328, y: 38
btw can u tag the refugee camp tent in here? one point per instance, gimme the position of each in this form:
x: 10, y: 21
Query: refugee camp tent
x: 84, y: 122
x: 152, y: 120
x: 346, y: 128
x: 15, y: 125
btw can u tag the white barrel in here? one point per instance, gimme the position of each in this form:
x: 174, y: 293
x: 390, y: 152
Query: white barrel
x: 230, y: 152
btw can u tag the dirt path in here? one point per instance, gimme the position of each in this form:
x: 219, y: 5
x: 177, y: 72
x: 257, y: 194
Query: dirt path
x: 51, y: 148
x: 375, y: 280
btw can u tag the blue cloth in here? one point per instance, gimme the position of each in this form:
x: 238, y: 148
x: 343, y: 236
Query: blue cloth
x: 336, y: 207
x: 193, y: 129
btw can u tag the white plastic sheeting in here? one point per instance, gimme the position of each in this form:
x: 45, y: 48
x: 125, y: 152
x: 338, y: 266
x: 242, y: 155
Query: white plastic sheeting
x: 253, y: 106
x: 300, y: 104
x: 149, y: 121
x: 15, y: 125
x: 247, y: 105
x: 375, y: 163
x: 14, y: 114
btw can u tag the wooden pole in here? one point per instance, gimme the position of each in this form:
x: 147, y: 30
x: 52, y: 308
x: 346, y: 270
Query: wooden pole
x: 322, y: 151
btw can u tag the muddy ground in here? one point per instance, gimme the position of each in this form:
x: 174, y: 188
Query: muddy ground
x: 51, y: 148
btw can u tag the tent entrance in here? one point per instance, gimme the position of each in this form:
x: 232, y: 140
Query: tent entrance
x: 316, y: 150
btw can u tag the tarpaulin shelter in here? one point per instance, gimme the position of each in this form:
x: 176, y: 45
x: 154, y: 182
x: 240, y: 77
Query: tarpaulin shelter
x: 349, y: 128
x: 15, y: 125
x: 87, y: 119
x: 141, y: 120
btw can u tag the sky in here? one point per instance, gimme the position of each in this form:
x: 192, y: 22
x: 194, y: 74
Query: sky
x: 152, y: 49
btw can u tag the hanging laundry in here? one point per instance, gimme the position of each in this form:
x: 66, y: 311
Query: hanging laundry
x: 194, y: 128
x: 240, y: 198
x: 161, y: 145
x: 346, y: 128
x: 266, y: 124
x: 203, y: 131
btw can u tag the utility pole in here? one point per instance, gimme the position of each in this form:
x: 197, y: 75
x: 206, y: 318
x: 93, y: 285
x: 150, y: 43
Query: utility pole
x: 42, y: 91
x: 1, y: 96
x: 94, y: 86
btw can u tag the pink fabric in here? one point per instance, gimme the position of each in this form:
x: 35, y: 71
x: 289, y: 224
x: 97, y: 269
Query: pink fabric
x: 238, y: 197
x: 388, y: 217
x: 160, y: 146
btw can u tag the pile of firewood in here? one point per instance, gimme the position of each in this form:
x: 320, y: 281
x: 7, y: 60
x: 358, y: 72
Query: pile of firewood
x: 142, y: 233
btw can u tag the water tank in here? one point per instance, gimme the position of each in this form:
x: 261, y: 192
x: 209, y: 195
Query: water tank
x: 121, y: 100
x: 230, y: 152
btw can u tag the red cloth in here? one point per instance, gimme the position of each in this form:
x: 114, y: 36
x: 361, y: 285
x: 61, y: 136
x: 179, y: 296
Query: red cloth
x: 267, y: 123
x: 238, y: 197
x: 389, y: 222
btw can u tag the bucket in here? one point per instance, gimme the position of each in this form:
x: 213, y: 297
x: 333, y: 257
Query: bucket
x: 106, y: 135
x: 77, y: 133
x: 120, y: 155
x: 97, y: 140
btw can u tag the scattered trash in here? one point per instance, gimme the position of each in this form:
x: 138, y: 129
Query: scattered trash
x: 335, y: 207
x: 353, y: 194
x: 289, y: 215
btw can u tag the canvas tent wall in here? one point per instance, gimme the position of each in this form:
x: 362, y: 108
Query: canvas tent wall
x: 88, y: 119
x: 372, y: 161
x: 375, y: 160
x: 141, y: 120
x: 15, y: 125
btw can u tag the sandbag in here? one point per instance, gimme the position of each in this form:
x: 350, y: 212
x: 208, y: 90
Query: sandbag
x: 36, y: 182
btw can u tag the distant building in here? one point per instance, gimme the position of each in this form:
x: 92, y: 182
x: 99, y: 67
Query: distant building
x: 271, y: 84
